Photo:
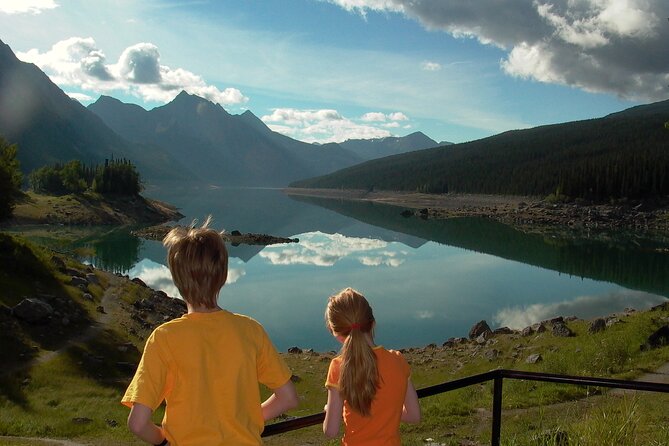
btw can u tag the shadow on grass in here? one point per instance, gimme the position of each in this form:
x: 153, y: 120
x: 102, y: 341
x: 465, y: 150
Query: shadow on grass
x: 107, y: 359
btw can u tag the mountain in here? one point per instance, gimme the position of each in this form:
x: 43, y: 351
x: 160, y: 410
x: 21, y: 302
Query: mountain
x: 48, y: 126
x: 368, y: 149
x: 624, y: 154
x: 222, y: 148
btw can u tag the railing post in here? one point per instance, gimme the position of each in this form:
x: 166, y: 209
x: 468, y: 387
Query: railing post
x: 496, y: 410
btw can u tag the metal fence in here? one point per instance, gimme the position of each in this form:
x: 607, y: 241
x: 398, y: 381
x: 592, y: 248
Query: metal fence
x: 497, y: 376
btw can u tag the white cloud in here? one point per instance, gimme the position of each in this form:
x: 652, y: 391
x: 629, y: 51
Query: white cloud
x: 79, y: 96
x: 80, y: 63
x: 609, y: 46
x: 26, y: 6
x: 322, y: 126
x: 430, y: 66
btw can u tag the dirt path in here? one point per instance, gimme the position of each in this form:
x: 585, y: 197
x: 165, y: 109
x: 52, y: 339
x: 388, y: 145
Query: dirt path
x: 109, y: 302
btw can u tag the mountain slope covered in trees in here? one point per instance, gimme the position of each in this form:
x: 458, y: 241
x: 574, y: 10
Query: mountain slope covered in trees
x: 624, y: 154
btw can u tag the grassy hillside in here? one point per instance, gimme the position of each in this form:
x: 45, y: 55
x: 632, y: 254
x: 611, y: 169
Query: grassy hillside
x: 64, y: 380
x: 622, y: 155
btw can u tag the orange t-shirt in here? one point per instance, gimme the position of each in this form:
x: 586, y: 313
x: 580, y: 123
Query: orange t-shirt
x: 207, y: 367
x: 381, y: 427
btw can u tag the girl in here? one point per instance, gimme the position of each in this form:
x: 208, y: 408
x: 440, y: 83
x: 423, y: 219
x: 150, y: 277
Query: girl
x: 368, y: 385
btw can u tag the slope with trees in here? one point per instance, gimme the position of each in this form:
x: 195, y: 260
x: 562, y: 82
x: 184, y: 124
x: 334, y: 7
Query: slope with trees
x: 625, y: 154
x: 10, y: 178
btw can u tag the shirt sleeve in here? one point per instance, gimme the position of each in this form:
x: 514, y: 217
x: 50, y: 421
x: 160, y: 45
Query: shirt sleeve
x: 273, y: 371
x: 332, y: 379
x: 149, y: 385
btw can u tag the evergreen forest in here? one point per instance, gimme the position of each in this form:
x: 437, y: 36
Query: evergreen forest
x: 116, y: 176
x: 623, y: 155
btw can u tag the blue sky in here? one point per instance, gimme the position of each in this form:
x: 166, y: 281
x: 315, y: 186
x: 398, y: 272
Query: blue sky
x: 330, y: 70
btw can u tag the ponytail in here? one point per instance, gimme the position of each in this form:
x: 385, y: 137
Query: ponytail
x: 349, y: 314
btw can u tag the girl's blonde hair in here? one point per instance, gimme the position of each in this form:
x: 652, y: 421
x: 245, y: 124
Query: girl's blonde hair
x: 348, y: 314
x: 198, y: 261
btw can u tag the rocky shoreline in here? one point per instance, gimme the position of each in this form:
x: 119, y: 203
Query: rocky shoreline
x: 235, y: 238
x: 526, y: 213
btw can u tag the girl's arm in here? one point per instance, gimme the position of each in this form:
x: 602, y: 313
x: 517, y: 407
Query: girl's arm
x: 411, y: 409
x: 333, y: 413
x: 140, y: 424
x: 284, y: 398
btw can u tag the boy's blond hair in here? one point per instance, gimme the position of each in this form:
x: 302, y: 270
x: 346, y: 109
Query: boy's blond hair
x: 198, y: 261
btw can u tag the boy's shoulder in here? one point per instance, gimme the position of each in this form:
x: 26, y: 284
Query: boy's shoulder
x: 192, y: 319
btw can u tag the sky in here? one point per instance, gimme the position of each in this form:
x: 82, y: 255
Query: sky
x: 330, y: 70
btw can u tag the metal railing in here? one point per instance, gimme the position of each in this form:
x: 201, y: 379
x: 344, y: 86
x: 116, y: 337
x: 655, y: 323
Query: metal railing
x: 497, y: 376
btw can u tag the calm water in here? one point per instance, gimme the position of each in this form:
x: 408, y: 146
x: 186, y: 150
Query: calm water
x: 426, y: 280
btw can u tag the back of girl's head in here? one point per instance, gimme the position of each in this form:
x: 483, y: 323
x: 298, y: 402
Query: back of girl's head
x: 349, y: 315
x: 198, y: 261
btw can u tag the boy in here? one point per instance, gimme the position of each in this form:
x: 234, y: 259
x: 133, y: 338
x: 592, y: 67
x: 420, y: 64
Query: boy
x: 206, y: 364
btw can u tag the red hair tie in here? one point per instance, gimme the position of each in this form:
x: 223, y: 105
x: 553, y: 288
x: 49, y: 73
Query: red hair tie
x: 355, y: 326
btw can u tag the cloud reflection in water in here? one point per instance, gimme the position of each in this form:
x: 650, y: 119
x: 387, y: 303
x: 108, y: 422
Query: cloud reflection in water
x: 158, y: 276
x: 319, y: 249
x: 584, y: 307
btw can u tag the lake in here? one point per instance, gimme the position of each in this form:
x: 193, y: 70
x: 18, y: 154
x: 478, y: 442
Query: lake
x: 426, y: 280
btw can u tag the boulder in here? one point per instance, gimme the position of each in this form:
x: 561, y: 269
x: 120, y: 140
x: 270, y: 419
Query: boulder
x: 78, y: 281
x: 33, y: 311
x: 502, y: 330
x: 658, y: 339
x: 295, y: 350
x: 560, y: 329
x: 478, y: 329
x: 597, y: 325
x: 534, y: 358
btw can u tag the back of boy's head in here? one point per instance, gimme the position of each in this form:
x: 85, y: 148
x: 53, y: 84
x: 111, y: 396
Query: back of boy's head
x: 198, y: 261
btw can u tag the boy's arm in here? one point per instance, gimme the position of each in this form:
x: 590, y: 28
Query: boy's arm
x: 284, y: 398
x: 140, y: 424
x: 333, y: 413
x: 411, y: 409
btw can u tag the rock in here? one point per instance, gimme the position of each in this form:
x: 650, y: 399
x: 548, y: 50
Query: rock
x: 483, y: 337
x: 527, y: 331
x: 78, y: 281
x: 491, y: 355
x: 560, y: 329
x: 657, y: 339
x: 92, y: 278
x: 100, y: 309
x: 406, y: 213
x: 295, y: 350
x: 81, y: 420
x: 139, y: 281
x: 478, y: 329
x: 539, y: 328
x: 33, y: 311
x: 295, y: 378
x: 88, y: 296
x: 111, y: 423
x: 597, y: 325
x: 534, y: 358
x: 502, y: 330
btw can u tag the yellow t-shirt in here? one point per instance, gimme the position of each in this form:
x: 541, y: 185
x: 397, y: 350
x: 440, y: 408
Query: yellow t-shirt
x: 207, y: 367
x: 382, y: 426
